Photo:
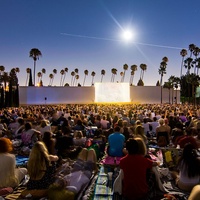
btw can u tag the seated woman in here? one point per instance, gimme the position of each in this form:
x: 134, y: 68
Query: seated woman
x: 134, y: 168
x: 139, y: 132
x: 40, y: 167
x: 78, y: 139
x: 29, y: 135
x: 189, y: 169
x: 162, y: 134
x: 50, y: 142
x: 44, y: 127
x: 10, y: 176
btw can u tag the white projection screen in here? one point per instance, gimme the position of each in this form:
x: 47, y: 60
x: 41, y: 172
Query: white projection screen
x: 112, y: 92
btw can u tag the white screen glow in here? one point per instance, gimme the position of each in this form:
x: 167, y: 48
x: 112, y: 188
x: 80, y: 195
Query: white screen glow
x: 112, y: 92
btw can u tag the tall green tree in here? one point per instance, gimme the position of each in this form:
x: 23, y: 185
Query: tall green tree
x: 35, y: 54
x: 125, y: 67
x: 103, y: 72
x: 86, y: 74
x: 162, y: 71
x: 93, y: 75
x: 183, y: 53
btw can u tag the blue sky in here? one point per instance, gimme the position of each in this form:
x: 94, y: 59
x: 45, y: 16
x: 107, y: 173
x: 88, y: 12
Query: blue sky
x: 86, y: 34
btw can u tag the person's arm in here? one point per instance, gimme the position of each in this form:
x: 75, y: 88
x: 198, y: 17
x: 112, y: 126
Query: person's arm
x: 53, y: 158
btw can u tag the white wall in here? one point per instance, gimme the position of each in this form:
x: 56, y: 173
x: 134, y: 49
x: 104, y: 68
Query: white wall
x: 81, y: 95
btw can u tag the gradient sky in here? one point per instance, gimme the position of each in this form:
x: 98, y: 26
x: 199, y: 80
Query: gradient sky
x: 86, y: 34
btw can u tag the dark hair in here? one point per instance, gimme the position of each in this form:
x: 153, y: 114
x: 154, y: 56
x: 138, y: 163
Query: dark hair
x: 132, y: 146
x: 28, y: 126
x: 117, y: 129
x: 190, y: 159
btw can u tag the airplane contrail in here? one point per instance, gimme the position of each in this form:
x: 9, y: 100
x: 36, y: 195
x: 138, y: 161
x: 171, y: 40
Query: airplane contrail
x: 110, y: 39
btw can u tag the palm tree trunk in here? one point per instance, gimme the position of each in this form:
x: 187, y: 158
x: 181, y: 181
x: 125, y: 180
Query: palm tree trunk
x: 112, y: 78
x: 64, y: 79
x: 101, y: 78
x: 72, y: 81
x: 52, y: 81
x: 181, y: 67
x: 61, y: 80
x: 84, y: 80
x: 26, y: 80
x: 34, y: 70
x: 169, y: 96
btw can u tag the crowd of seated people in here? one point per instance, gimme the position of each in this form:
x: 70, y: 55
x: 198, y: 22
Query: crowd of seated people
x: 61, y: 129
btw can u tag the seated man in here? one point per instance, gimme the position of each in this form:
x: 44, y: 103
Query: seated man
x: 116, y: 143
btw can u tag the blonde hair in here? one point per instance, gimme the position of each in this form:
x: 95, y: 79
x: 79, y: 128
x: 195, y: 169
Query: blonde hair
x: 78, y: 134
x: 142, y: 150
x: 38, y: 161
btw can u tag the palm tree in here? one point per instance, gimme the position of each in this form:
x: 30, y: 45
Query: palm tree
x: 93, y: 75
x: 76, y: 77
x: 103, y: 72
x: 112, y: 76
x: 72, y: 74
x: 17, y: 70
x: 183, y: 53
x: 55, y: 72
x: 143, y: 68
x: 125, y: 67
x: 197, y: 65
x: 188, y: 63
x: 39, y: 74
x: 191, y: 49
x: 76, y: 72
x: 62, y: 73
x: 43, y: 72
x: 2, y: 69
x: 122, y: 76
x: 35, y: 54
x: 66, y: 71
x: 172, y: 80
x: 133, y: 69
x: 131, y: 77
x: 193, y: 79
x: 86, y: 74
x: 162, y: 71
x: 114, y: 73
x: 50, y: 79
x: 196, y: 52
x: 28, y: 70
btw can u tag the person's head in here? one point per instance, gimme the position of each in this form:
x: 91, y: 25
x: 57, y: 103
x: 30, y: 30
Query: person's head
x: 154, y: 119
x: 139, y: 130
x: 120, y: 122
x: 142, y: 150
x: 43, y: 123
x: 28, y: 126
x: 132, y: 146
x: 5, y: 145
x: 117, y: 129
x: 190, y: 159
x: 47, y: 135
x: 78, y: 134
x: 20, y: 120
x: 161, y: 121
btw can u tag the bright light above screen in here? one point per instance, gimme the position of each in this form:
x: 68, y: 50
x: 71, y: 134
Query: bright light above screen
x: 127, y: 35
x: 112, y: 92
